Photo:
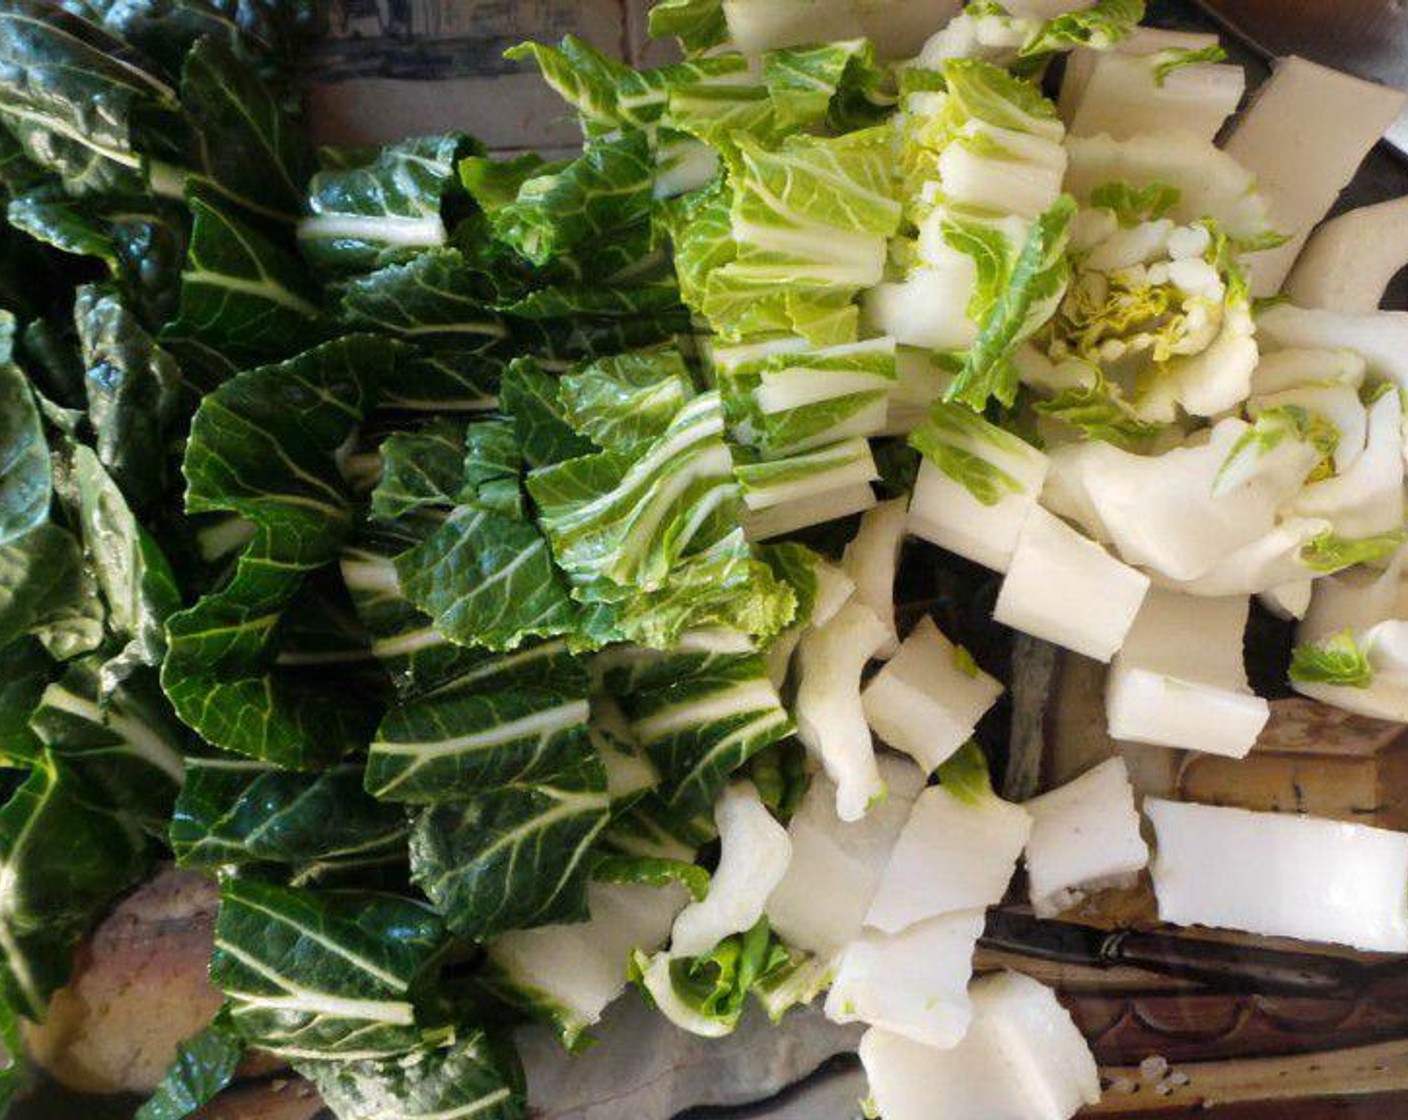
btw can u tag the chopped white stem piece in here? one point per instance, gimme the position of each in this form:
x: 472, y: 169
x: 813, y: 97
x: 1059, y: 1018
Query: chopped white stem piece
x: 929, y: 698
x: 1334, y: 401
x: 1355, y: 599
x: 821, y: 903
x: 1303, y: 138
x: 1022, y: 1059
x: 1385, y: 647
x: 1288, y: 600
x: 872, y: 560
x: 1211, y: 183
x: 579, y: 968
x: 1121, y: 92
x: 929, y: 308
x: 1380, y: 338
x: 955, y: 853
x: 1269, y: 562
x: 1173, y: 513
x: 762, y: 525
x: 1180, y: 680
x: 756, y: 26
x: 1349, y: 261
x: 834, y: 588
x: 1066, y: 589
x: 754, y: 857
x: 809, y: 474
x: 920, y: 381
x: 1279, y: 370
x: 1367, y: 499
x: 830, y: 719
x: 913, y: 983
x: 1281, y: 875
x: 945, y: 512
x: 1140, y: 41
x: 1085, y: 837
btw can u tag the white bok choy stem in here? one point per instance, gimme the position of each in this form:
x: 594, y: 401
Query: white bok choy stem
x: 821, y: 902
x: 1180, y: 681
x: 1085, y: 837
x: 928, y: 699
x: 1281, y: 875
x: 1023, y: 1058
x: 1066, y: 589
x: 830, y: 718
x: 755, y: 852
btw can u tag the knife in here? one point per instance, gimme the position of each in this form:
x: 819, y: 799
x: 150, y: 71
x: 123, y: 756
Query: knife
x: 1220, y: 965
x: 1366, y: 38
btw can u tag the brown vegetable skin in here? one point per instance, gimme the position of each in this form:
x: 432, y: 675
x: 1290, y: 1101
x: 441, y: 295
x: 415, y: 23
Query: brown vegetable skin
x: 271, y: 1100
x: 140, y: 985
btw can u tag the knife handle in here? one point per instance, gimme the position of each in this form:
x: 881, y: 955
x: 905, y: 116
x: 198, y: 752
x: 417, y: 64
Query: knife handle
x: 1234, y: 967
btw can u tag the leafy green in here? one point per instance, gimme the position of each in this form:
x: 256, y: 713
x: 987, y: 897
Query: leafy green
x: 57, y: 890
x: 25, y: 669
x: 487, y: 579
x: 205, y: 1064
x: 697, y: 24
x: 1166, y: 62
x: 1029, y: 298
x: 26, y: 480
x: 585, y: 203
x: 623, y: 402
x: 234, y: 812
x: 262, y: 447
x: 966, y: 774
x: 1133, y: 205
x: 72, y: 95
x: 458, y: 743
x: 476, y: 1075
x: 1097, y: 413
x: 1098, y: 27
x: 1328, y: 553
x: 971, y: 451
x: 124, y: 740
x: 385, y: 208
x: 698, y: 717
x: 323, y: 974
x: 1338, y: 660
x: 241, y: 293
x: 515, y: 857
x: 133, y: 390
x: 46, y: 591
x: 655, y: 872
x: 247, y: 146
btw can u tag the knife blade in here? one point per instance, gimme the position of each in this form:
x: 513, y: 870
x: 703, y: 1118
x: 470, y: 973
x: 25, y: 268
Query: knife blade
x: 1366, y: 38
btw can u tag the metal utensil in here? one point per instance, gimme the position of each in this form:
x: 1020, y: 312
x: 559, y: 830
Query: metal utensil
x: 1367, y: 38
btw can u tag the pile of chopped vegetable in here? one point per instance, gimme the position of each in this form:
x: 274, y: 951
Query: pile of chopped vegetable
x: 480, y: 565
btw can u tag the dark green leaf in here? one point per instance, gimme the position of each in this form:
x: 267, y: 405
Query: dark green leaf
x: 234, y: 811
x: 26, y: 479
x: 452, y: 745
x: 529, y: 397
x: 515, y: 857
x: 247, y: 145
x: 240, y: 292
x: 476, y: 1076
x: 25, y: 670
x: 66, y: 856
x: 315, y: 974
x: 134, y: 394
x: 262, y: 447
x: 487, y: 579
x: 385, y: 210
x: 46, y: 591
x: 125, y: 741
x: 205, y: 1064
